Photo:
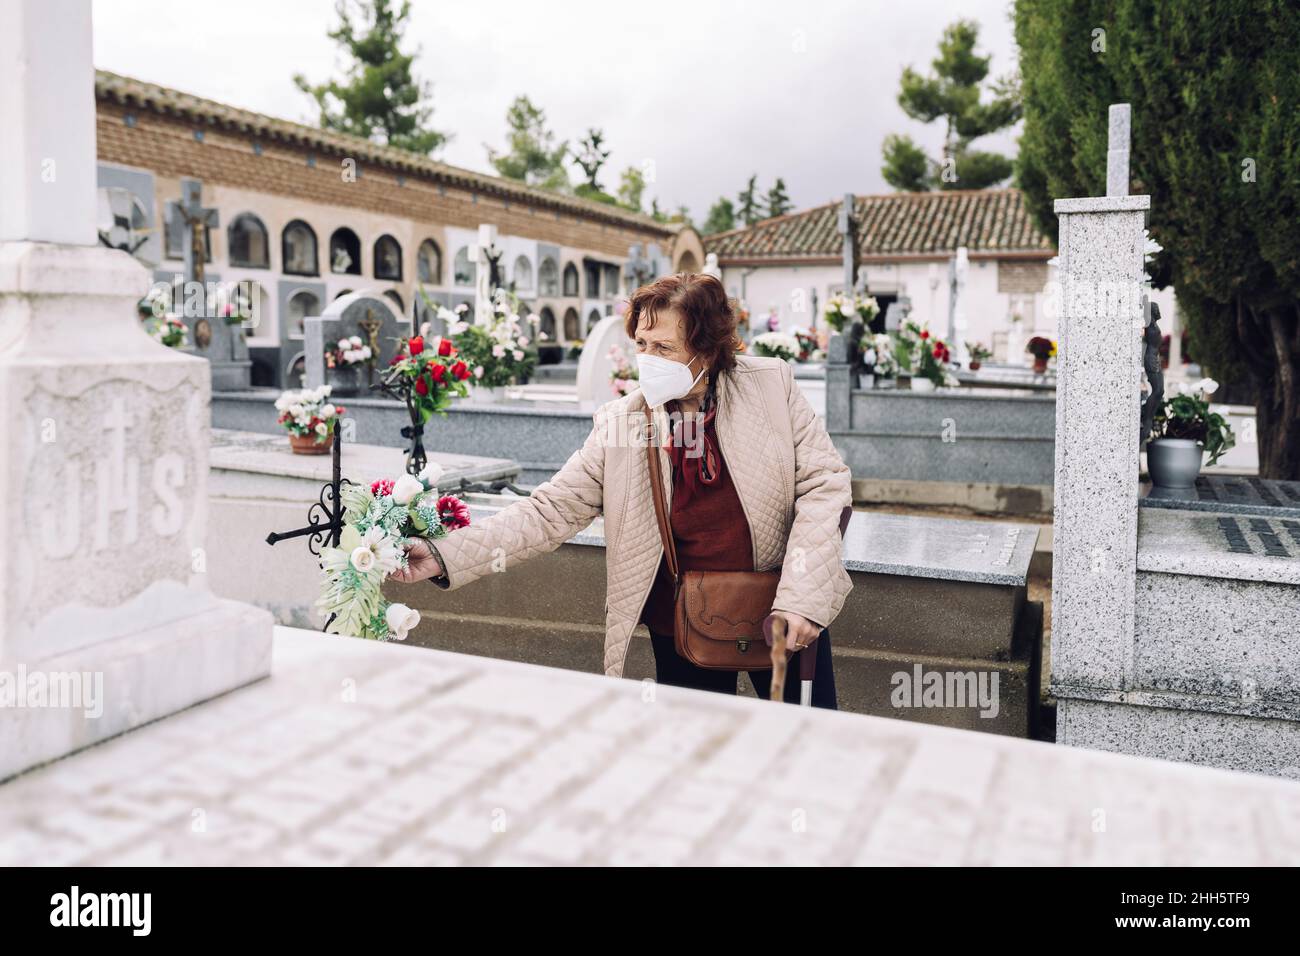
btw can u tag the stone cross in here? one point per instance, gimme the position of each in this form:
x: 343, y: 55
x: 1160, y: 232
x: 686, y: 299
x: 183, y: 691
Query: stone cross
x: 1117, y: 149
x: 637, y: 271
x: 958, y: 269
x: 110, y: 525
x: 845, y: 228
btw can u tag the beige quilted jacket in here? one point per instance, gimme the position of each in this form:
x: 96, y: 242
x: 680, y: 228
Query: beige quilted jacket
x: 791, y: 481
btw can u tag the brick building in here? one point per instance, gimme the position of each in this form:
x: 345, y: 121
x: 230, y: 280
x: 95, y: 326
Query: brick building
x: 307, y: 215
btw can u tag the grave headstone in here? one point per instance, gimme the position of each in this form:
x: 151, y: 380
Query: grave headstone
x: 211, y: 335
x: 103, y: 447
x: 594, y: 364
x: 358, y: 313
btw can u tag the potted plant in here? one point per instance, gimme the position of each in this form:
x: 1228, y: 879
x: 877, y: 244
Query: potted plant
x: 841, y: 309
x: 345, y: 362
x: 1184, y: 431
x: 777, y: 345
x: 309, y: 417
x: 807, y: 344
x: 978, y: 353
x: 1041, y: 349
x: 623, y: 375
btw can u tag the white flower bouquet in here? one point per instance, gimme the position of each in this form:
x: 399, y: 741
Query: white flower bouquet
x: 377, y: 521
x: 308, y: 413
x: 777, y: 345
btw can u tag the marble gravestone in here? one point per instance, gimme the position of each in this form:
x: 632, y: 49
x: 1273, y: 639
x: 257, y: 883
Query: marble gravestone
x: 104, y: 603
x: 357, y: 313
x: 594, y: 365
x: 1174, y: 624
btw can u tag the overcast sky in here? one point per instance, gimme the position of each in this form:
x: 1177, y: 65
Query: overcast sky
x: 707, y: 91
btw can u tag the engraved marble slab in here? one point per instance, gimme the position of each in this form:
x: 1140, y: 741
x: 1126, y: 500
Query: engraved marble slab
x: 1237, y: 494
x: 1242, y: 547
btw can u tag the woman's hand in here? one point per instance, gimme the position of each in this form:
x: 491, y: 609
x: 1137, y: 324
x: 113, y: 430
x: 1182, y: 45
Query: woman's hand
x: 799, y: 631
x: 421, y: 563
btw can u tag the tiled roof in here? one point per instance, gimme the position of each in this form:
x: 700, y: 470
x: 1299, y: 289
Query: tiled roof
x: 898, y: 224
x: 141, y: 95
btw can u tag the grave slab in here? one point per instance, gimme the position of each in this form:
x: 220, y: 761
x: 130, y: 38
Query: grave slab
x: 492, y: 762
x: 1230, y: 494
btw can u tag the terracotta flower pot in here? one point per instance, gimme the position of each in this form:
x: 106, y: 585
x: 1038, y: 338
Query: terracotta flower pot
x: 309, y: 445
x: 1040, y: 365
x: 975, y: 365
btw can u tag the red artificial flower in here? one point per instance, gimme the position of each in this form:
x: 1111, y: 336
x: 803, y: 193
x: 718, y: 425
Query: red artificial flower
x: 938, y: 352
x: 444, y: 347
x: 924, y: 335
x: 453, y: 512
x: 339, y: 409
x: 395, y: 359
x: 422, y: 386
x: 439, y: 373
x: 416, y: 345
x: 384, y: 486
x: 460, y: 370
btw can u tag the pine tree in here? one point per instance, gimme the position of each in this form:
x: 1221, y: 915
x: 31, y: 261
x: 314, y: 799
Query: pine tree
x: 748, y: 210
x: 952, y: 93
x: 532, y: 156
x: 722, y: 217
x: 379, y: 99
x: 778, y: 203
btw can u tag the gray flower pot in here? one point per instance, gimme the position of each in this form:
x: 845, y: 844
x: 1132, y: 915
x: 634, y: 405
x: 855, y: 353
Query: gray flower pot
x: 1174, y: 462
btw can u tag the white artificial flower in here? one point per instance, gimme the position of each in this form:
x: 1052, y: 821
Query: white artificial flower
x: 425, y: 329
x: 523, y: 341
x: 846, y: 309
x: 446, y: 314
x: 498, y: 351
x: 327, y: 410
x: 457, y: 328
x: 519, y: 355
x: 401, y: 620
x: 322, y: 429
x: 362, y: 558
x: 366, y: 352
x: 406, y: 488
x: 345, y: 345
x: 430, y: 474
x: 462, y: 308
x: 356, y: 341
x: 1207, y: 386
x: 478, y: 371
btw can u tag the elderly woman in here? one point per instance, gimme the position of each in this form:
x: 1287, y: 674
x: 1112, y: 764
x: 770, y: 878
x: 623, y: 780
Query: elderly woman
x: 756, y: 485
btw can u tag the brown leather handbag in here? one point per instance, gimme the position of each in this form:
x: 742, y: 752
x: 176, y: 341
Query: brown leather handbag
x: 717, y: 615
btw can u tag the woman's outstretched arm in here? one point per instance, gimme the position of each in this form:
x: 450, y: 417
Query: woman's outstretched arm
x: 555, y: 511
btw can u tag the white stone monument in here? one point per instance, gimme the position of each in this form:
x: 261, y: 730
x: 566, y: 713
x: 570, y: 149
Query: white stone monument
x: 106, y: 621
x: 594, y: 365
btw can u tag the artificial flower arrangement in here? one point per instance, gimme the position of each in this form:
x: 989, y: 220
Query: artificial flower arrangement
x: 308, y: 415
x: 923, y: 355
x: 777, y: 345
x: 841, y: 310
x: 156, y: 303
x: 878, y: 355
x: 377, y: 523
x: 1042, y: 349
x: 349, y: 352
x: 623, y: 375
x: 978, y: 353
x: 808, y: 346
x: 427, y: 375
x: 169, y: 330
x: 1188, y: 415
x: 499, y: 353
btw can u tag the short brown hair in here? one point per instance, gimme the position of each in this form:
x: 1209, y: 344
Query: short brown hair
x: 709, y: 317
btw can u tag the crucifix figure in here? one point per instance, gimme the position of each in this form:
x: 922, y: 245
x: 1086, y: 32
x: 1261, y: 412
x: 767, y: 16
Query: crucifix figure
x: 371, y: 326
x: 487, y: 276
x: 193, y: 220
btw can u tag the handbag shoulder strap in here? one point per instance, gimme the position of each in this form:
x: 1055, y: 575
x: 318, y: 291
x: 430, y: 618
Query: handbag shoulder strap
x: 657, y: 492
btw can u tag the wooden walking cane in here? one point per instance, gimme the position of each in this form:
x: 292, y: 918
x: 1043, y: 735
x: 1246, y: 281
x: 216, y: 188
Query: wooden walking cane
x: 774, y: 634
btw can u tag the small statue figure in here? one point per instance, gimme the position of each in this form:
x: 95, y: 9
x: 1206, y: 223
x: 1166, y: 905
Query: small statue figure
x: 1151, y: 338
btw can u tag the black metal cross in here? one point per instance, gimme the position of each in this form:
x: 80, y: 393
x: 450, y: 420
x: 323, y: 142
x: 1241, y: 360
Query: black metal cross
x: 326, y: 514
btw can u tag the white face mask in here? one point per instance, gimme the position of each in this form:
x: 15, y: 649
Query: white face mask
x: 663, y: 380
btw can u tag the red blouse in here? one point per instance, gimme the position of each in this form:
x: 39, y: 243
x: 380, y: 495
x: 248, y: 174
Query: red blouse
x: 708, y: 522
